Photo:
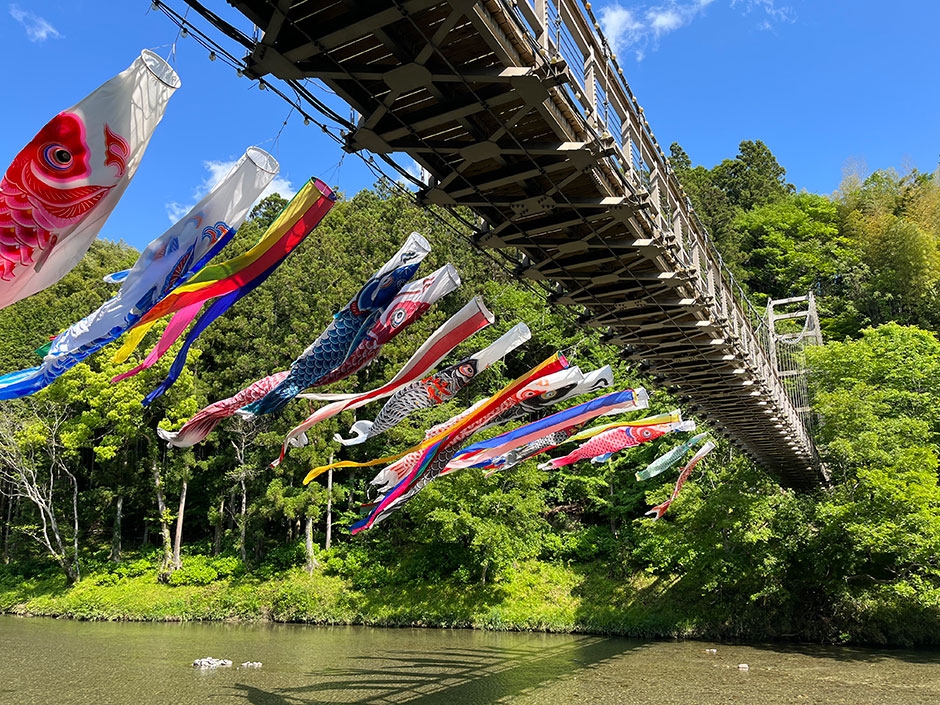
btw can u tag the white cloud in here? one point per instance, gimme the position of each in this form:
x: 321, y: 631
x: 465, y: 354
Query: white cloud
x: 772, y: 11
x: 640, y: 29
x: 217, y: 171
x: 177, y: 210
x: 38, y: 29
x: 621, y: 27
x: 663, y: 21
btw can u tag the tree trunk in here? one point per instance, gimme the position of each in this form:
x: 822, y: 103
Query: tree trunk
x: 243, y: 523
x: 217, y: 539
x: 12, y: 543
x: 145, y: 540
x: 6, y: 529
x: 167, y: 566
x: 5, y: 502
x: 70, y: 569
x: 75, y: 564
x: 178, y: 539
x: 116, y: 531
x: 613, y: 519
x: 65, y: 563
x: 55, y: 544
x: 230, y: 517
x: 308, y: 545
x: 329, y: 506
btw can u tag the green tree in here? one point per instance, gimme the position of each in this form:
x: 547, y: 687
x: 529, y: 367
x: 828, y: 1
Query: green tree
x: 753, y: 178
x: 719, y: 195
x: 894, y: 222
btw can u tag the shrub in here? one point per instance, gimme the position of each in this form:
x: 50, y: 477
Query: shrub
x: 582, y: 545
x: 10, y: 576
x: 196, y: 570
x: 227, y: 565
x: 133, y: 569
x: 104, y: 579
x: 285, y: 556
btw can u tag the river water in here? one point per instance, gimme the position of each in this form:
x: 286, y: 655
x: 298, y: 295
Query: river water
x: 45, y: 661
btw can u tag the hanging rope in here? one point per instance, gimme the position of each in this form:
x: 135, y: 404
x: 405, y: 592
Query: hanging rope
x: 182, y: 32
x: 277, y: 137
x: 797, y: 339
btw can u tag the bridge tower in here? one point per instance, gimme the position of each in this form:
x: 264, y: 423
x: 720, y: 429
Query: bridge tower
x: 793, y: 326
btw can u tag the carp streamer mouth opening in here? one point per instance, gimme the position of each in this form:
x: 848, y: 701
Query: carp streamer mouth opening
x: 490, y: 317
x: 263, y: 160
x: 160, y: 69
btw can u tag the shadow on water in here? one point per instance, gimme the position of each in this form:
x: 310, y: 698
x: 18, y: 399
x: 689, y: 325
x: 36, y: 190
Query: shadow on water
x: 467, y: 675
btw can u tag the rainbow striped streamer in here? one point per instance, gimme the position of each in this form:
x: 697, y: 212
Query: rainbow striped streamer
x: 231, y: 279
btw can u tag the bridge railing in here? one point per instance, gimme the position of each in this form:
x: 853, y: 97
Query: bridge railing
x: 610, y: 112
x: 609, y: 109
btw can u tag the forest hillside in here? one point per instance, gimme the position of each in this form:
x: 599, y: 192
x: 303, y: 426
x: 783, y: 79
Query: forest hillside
x: 99, y: 520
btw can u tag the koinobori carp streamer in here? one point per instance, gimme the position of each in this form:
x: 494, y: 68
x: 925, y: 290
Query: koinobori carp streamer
x: 660, y: 509
x: 406, y: 308
x: 336, y: 342
x: 468, y: 320
x: 61, y: 187
x: 438, y: 388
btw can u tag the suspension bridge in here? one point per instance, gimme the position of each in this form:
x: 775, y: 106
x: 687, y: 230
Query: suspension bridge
x: 520, y: 111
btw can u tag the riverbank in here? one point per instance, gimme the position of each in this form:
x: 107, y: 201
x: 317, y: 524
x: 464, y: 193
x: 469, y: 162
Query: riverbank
x: 536, y: 597
x: 533, y: 597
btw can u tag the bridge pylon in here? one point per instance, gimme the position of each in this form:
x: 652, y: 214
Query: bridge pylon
x: 793, y: 325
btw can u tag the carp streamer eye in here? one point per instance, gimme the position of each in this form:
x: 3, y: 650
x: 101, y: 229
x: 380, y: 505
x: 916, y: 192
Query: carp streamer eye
x: 386, y: 281
x: 466, y: 370
x: 57, y: 156
x: 398, y: 317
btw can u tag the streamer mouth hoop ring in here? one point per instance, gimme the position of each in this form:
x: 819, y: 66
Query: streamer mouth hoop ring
x: 490, y: 317
x: 263, y: 160
x: 160, y: 69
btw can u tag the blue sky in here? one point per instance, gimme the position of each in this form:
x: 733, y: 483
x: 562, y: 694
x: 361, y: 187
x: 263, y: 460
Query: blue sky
x: 823, y: 82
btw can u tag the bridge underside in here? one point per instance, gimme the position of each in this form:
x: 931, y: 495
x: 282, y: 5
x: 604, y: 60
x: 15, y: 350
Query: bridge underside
x: 489, y: 109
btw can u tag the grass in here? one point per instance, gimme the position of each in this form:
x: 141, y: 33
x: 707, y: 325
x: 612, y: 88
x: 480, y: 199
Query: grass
x: 535, y: 596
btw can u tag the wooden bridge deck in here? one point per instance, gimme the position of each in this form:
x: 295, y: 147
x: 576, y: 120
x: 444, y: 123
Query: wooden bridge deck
x: 519, y: 110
